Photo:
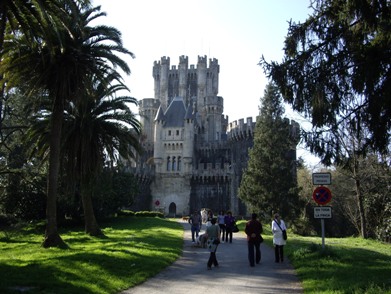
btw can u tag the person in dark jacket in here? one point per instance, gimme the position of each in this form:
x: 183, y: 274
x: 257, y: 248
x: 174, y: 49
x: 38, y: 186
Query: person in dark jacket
x: 253, y: 231
x: 229, y: 221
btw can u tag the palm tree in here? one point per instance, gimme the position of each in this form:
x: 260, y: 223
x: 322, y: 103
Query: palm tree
x: 63, y: 71
x: 98, y: 128
x: 35, y: 19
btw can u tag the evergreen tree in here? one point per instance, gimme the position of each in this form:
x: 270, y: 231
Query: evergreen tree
x: 269, y: 182
x: 336, y: 69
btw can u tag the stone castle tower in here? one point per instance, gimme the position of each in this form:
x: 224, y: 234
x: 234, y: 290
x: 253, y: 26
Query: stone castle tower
x: 197, y: 157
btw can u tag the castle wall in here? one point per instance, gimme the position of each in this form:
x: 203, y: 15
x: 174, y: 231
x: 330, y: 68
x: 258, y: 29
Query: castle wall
x: 171, y: 190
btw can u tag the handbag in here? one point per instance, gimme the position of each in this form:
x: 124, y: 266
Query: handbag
x: 284, y: 235
x: 235, y: 229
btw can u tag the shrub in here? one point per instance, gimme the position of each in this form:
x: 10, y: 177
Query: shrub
x: 150, y: 214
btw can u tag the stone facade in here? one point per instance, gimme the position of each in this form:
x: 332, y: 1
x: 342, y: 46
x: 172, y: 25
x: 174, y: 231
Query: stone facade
x: 195, y: 155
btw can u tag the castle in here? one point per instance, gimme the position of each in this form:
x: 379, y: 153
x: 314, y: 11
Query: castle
x: 195, y: 156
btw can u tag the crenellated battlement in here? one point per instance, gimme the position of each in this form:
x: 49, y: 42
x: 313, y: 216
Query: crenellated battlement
x: 165, y: 60
x: 213, y: 63
x: 202, y: 60
x: 244, y: 129
x: 183, y: 59
x: 149, y: 103
x: 241, y: 129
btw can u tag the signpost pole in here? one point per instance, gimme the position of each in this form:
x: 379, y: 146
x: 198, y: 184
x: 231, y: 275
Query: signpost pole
x: 322, y: 225
x: 322, y: 196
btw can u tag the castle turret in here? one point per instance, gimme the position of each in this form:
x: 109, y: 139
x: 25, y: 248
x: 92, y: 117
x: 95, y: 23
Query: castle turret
x: 201, y: 82
x: 164, y: 70
x: 214, y: 123
x: 213, y: 77
x: 188, y: 142
x: 148, y: 109
x: 183, y: 65
x: 158, y: 152
x: 156, y: 77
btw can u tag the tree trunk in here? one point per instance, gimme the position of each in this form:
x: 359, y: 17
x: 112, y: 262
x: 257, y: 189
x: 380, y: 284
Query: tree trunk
x: 52, y: 238
x: 91, y: 225
x: 361, y: 210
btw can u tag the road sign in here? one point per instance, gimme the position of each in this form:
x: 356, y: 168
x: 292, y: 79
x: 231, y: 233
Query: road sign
x: 321, y: 178
x: 322, y: 195
x: 322, y: 212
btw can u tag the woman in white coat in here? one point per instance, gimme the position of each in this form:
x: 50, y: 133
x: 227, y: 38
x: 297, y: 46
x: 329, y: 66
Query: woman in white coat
x: 278, y: 226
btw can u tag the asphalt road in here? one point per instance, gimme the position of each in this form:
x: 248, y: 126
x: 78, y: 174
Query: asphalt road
x: 189, y: 273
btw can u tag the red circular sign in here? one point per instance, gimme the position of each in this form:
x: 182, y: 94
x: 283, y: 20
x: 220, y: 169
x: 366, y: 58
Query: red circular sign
x: 322, y: 195
x: 157, y: 202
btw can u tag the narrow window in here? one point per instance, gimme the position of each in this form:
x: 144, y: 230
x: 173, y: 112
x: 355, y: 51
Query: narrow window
x: 174, y: 163
x: 179, y: 163
x: 168, y: 163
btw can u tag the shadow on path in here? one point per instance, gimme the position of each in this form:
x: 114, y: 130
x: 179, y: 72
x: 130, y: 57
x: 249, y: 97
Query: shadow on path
x: 234, y: 274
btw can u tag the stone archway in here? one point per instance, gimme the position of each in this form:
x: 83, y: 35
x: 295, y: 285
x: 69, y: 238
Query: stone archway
x: 172, y: 210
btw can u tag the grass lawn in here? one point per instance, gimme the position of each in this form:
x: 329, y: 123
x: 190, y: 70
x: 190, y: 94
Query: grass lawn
x: 136, y: 248
x: 133, y: 249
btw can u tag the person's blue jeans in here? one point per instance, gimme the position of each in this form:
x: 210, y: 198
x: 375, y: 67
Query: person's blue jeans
x: 195, y: 230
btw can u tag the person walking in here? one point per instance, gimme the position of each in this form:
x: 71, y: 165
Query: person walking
x: 278, y: 226
x: 213, y: 232
x: 195, y: 222
x: 221, y: 223
x: 253, y: 231
x: 229, y: 221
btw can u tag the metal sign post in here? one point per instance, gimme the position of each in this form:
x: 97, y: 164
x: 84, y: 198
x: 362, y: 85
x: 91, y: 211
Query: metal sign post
x: 322, y: 212
x: 322, y: 196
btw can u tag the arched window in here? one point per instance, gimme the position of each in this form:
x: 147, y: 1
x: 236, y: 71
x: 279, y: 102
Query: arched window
x: 168, y: 163
x: 174, y: 163
x: 179, y: 163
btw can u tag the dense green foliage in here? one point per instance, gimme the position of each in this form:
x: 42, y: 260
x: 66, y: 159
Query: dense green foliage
x: 63, y: 61
x: 336, y: 70
x: 269, y: 181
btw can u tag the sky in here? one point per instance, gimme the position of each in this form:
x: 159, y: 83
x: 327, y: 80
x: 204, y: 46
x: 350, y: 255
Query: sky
x: 235, y: 32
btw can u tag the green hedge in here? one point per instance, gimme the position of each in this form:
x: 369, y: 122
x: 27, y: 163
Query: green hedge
x: 141, y: 213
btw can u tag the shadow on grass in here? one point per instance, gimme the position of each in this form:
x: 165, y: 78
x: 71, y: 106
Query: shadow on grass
x: 129, y: 251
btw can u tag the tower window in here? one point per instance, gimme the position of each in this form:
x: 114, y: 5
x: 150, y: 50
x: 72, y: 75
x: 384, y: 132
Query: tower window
x: 168, y: 163
x: 174, y: 163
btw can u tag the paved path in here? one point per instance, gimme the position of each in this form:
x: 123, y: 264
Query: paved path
x: 189, y: 273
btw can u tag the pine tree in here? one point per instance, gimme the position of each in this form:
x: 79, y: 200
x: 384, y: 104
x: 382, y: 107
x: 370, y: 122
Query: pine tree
x: 269, y: 182
x: 336, y: 69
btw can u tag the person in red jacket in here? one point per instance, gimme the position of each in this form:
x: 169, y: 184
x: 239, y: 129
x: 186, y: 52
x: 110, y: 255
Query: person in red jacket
x: 253, y: 231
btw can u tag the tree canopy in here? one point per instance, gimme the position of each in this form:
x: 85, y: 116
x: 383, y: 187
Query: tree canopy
x: 336, y: 68
x: 65, y: 55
